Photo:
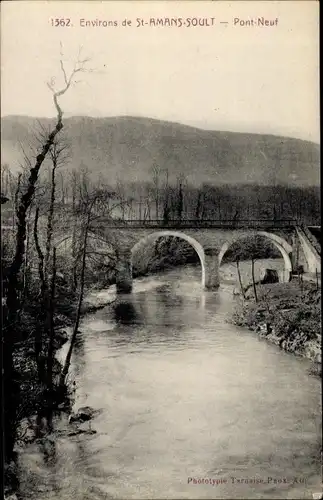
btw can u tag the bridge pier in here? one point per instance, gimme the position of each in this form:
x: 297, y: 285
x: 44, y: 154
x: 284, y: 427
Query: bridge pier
x: 211, y: 264
x: 124, y: 272
x: 296, y: 256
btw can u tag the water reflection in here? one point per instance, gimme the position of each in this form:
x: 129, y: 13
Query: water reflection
x: 156, y: 317
x: 125, y: 313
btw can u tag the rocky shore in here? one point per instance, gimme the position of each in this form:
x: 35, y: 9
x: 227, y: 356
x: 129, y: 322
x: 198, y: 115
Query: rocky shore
x: 287, y: 315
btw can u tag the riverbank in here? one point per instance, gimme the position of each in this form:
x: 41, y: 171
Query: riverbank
x: 33, y: 393
x: 287, y: 315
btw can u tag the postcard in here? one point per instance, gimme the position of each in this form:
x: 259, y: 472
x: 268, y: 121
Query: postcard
x: 161, y: 255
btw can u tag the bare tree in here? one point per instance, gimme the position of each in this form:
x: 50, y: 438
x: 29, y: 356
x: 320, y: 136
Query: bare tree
x: 74, y: 178
x: 40, y: 255
x: 94, y: 207
x: 87, y: 209
x: 198, y: 205
x: 59, y: 154
x: 140, y: 200
x: 120, y: 188
x: 26, y: 197
x: 156, y: 183
x: 11, y: 390
x: 26, y: 269
x: 180, y: 196
x: 147, y: 207
x: 38, y: 333
x: 239, y: 277
x: 50, y: 325
x: 253, y: 278
x: 166, y: 207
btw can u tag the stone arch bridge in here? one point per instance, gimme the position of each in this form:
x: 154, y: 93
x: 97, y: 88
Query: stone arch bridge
x: 210, y: 243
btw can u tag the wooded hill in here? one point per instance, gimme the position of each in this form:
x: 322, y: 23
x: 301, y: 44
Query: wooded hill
x: 127, y: 148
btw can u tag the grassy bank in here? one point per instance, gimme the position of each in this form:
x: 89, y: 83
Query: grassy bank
x: 286, y: 314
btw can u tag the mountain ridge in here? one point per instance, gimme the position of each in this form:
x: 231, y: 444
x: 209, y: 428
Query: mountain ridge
x: 127, y: 147
x: 156, y: 120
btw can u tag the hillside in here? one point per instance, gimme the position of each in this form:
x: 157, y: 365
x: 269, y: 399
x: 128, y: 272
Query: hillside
x: 127, y: 148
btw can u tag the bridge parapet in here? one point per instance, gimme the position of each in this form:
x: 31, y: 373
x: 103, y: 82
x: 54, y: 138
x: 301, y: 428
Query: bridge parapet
x: 199, y: 224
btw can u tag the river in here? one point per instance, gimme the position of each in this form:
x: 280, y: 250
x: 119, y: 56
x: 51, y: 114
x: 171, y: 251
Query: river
x: 186, y: 401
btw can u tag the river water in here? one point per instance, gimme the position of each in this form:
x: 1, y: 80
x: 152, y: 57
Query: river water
x: 186, y: 400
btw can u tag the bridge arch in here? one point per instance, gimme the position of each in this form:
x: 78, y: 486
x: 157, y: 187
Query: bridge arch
x: 151, y: 238
x: 279, y: 242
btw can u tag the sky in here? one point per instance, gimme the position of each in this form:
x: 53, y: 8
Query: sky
x: 234, y: 76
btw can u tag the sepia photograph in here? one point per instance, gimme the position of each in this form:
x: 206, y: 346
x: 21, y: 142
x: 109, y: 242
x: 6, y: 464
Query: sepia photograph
x: 161, y: 250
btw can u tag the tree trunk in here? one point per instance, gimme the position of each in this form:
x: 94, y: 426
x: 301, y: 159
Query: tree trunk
x: 16, y: 202
x: 198, y: 206
x: 157, y: 205
x: 50, y: 315
x: 38, y: 341
x: 63, y: 190
x: 180, y: 203
x: 156, y: 198
x: 166, y: 213
x: 156, y: 172
x: 253, y: 279
x: 203, y: 214
x: 40, y: 257
x: 79, y: 307
x: 74, y: 277
x: 240, y: 280
x: 148, y: 210
x: 140, y: 208
x: 50, y: 218
x: 26, y: 264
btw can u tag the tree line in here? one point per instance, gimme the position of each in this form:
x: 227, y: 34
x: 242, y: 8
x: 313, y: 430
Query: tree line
x: 161, y: 199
